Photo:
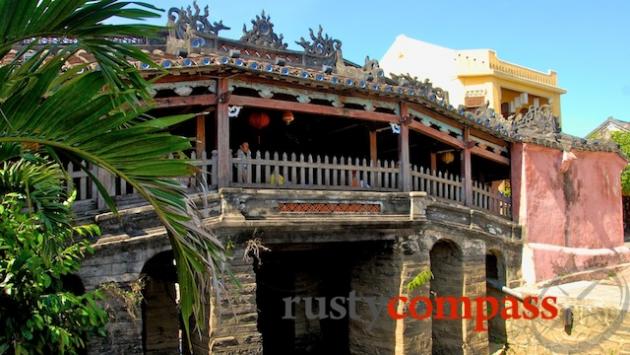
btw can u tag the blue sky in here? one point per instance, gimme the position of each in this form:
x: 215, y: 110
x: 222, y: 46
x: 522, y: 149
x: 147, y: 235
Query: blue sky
x: 586, y: 42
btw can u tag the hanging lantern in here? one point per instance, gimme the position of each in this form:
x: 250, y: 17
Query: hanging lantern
x: 287, y: 117
x: 448, y: 157
x: 259, y: 120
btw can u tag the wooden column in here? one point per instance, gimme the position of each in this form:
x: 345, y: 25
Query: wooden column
x: 200, y: 144
x: 466, y: 171
x: 433, y: 161
x: 373, y: 148
x: 403, y: 150
x: 224, y: 168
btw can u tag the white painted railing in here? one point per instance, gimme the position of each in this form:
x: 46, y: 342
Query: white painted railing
x: 290, y: 171
x: 207, y: 178
x: 436, y: 183
x: 313, y: 172
x: 493, y: 201
x: 87, y: 192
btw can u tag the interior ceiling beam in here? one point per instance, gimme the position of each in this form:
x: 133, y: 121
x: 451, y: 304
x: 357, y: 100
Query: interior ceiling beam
x: 490, y: 155
x: 272, y: 104
x: 179, y: 101
x: 436, y: 134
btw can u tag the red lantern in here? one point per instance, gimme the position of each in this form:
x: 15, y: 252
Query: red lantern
x: 287, y: 117
x: 259, y: 120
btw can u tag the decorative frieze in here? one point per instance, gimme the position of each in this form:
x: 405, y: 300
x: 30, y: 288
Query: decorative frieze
x: 185, y: 88
x: 325, y: 208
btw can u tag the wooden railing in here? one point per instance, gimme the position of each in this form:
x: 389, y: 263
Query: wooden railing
x: 292, y: 171
x: 439, y: 184
x: 485, y: 198
x: 89, y: 198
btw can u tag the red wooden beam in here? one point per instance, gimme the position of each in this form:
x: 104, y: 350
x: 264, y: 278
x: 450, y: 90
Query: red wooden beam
x: 180, y: 101
x: 272, y: 104
x: 490, y: 155
x: 373, y: 147
x: 439, y: 135
x: 200, y: 144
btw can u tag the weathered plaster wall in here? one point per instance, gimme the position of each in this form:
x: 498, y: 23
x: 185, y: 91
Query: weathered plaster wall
x: 572, y: 218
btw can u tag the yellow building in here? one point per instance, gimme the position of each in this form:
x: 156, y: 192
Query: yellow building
x: 474, y: 77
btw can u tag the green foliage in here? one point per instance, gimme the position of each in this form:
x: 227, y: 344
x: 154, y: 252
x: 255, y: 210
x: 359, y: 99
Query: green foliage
x: 422, y: 278
x: 37, y: 316
x: 99, y: 116
x: 623, y: 139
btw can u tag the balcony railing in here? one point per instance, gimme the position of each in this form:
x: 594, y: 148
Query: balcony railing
x: 518, y: 71
x: 308, y: 172
x: 88, y: 196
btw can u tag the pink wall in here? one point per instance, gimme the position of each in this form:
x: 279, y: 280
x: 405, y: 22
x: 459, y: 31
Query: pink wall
x: 571, y: 220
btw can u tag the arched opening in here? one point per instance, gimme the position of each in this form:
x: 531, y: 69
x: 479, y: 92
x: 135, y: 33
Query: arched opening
x: 303, y: 294
x: 495, y: 280
x: 446, y: 266
x: 161, y: 325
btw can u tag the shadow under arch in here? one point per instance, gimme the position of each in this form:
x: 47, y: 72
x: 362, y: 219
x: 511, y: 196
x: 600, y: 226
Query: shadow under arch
x: 161, y: 325
x: 495, y: 279
x: 448, y: 280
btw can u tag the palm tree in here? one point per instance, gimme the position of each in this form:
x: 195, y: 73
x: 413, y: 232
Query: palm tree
x: 98, y: 116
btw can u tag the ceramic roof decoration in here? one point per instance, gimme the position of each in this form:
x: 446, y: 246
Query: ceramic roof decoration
x: 180, y: 19
x: 193, y: 45
x: 262, y: 33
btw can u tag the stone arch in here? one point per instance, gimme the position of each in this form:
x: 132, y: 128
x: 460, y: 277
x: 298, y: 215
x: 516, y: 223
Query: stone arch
x: 495, y: 279
x: 446, y: 260
x: 161, y: 330
x: 495, y: 266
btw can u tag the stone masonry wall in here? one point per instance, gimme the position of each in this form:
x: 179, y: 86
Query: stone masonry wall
x: 375, y: 274
x: 233, y: 318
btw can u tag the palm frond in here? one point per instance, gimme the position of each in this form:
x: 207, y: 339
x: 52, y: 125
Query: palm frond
x: 82, y: 20
x: 41, y: 183
x: 96, y: 117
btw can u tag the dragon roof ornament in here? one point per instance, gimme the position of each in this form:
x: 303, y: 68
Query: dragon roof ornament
x: 424, y: 88
x: 537, y: 125
x: 262, y: 33
x: 183, y: 20
x: 538, y: 121
x: 320, y: 45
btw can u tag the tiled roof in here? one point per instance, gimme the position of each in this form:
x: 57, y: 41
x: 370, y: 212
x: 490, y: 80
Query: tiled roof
x: 263, y: 53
